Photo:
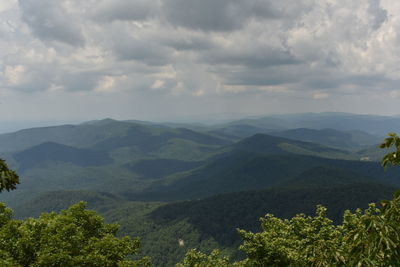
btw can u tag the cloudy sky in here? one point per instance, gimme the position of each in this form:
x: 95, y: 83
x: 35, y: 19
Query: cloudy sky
x: 180, y: 59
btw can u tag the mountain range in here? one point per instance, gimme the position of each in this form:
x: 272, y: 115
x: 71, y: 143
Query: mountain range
x: 201, y: 182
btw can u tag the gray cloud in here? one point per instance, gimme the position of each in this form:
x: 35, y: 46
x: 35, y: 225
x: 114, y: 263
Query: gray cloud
x: 181, y: 42
x: 145, y: 51
x: 379, y: 15
x: 263, y: 76
x: 216, y: 15
x: 110, y: 10
x: 252, y: 59
x: 209, y: 50
x: 49, y: 21
x: 229, y: 15
x: 80, y: 81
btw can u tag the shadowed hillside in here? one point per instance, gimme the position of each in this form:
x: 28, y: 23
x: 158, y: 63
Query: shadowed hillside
x: 35, y: 157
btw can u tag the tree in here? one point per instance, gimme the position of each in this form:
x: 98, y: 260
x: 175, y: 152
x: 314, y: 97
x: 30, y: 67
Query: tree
x: 8, y: 178
x: 74, y: 237
x: 393, y: 141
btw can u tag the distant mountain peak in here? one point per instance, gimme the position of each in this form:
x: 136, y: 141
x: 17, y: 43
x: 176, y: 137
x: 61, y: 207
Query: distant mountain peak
x: 99, y: 122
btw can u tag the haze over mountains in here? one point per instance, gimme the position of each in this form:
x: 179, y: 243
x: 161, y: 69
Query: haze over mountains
x: 201, y: 181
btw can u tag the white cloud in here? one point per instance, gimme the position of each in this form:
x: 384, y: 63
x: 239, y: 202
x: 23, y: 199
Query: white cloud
x: 320, y: 96
x: 14, y: 74
x: 157, y: 84
x: 6, y: 5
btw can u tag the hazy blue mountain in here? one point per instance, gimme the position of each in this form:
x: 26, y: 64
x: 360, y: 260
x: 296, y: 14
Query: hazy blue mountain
x: 349, y: 140
x: 89, y: 143
x: 372, y: 124
x: 149, y: 139
x: 373, y: 153
x: 93, y: 132
x: 101, y: 133
x: 237, y: 131
x: 81, y: 135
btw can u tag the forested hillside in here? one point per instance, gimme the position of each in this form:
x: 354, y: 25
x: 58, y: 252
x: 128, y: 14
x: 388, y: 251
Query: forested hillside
x: 173, y: 185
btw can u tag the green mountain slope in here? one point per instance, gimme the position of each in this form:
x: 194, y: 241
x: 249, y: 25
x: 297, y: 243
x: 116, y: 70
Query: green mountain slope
x: 267, y: 144
x: 38, y: 155
x: 62, y: 199
x: 258, y: 162
x: 112, y: 165
x: 104, y: 155
x: 249, y: 171
x: 159, y: 168
x: 326, y: 177
x: 218, y: 217
x: 212, y: 222
x: 145, y: 170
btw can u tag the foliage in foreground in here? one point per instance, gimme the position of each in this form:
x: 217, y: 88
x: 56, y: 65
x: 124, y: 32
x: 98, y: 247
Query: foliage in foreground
x: 74, y: 237
x: 369, y: 238
x: 8, y: 178
x: 393, y: 140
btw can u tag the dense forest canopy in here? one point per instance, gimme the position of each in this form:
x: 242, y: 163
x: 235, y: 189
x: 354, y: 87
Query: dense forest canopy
x: 365, y: 238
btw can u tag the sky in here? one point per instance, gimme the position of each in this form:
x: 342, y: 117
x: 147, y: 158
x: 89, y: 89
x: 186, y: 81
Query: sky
x: 73, y: 60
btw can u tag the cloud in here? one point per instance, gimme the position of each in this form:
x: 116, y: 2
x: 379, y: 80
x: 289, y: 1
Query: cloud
x: 209, y: 50
x: 134, y: 10
x: 6, y: 5
x: 318, y: 96
x: 50, y: 21
x: 145, y: 51
x: 215, y: 15
x: 228, y: 15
